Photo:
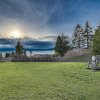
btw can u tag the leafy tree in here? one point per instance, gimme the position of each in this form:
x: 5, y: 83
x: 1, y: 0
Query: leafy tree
x: 96, y: 42
x: 62, y: 45
x: 78, y: 40
x: 88, y: 36
x: 19, y: 48
x: 7, y: 55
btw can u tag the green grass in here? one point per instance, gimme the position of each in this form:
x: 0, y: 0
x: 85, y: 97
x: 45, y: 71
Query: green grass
x: 48, y: 81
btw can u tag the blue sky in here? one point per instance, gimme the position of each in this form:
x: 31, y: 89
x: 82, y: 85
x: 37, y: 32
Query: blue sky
x: 43, y: 20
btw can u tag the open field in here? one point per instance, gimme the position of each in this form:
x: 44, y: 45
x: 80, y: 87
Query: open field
x: 48, y: 81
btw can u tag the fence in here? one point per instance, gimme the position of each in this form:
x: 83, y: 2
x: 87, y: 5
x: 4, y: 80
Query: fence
x: 53, y: 59
x: 50, y: 59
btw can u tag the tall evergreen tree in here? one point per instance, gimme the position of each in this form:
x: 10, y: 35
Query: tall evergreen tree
x: 62, y: 45
x: 78, y: 40
x: 7, y: 55
x: 88, y: 36
x: 19, y: 48
x: 96, y: 42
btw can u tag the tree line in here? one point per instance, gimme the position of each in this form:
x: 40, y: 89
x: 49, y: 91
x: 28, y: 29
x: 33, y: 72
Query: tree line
x: 86, y: 38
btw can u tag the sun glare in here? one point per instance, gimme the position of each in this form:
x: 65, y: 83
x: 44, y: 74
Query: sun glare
x: 16, y: 34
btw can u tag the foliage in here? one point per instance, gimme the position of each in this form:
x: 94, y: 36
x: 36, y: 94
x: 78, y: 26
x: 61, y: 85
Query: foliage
x: 78, y: 40
x: 62, y: 45
x: 19, y: 48
x: 83, y: 38
x: 88, y: 36
x: 96, y: 42
x: 7, y: 55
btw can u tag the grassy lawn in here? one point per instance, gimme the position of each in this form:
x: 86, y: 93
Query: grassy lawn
x: 48, y: 81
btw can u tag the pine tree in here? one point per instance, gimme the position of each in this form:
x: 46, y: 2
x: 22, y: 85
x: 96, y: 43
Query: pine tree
x: 19, y: 48
x: 78, y: 40
x: 7, y: 55
x: 62, y: 45
x: 88, y: 36
x: 96, y: 42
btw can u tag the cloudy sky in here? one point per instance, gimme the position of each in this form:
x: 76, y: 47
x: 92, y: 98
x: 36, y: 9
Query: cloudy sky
x: 40, y: 21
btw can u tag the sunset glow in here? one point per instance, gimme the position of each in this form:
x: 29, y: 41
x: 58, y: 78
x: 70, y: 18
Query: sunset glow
x: 16, y: 34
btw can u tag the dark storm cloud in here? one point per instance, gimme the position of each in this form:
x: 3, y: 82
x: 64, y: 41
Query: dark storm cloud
x: 39, y: 44
x: 9, y: 44
x: 5, y: 41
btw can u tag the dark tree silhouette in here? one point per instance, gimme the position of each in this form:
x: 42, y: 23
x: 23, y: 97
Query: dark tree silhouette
x: 96, y: 41
x: 19, y: 48
x: 62, y: 45
x: 78, y: 40
x: 88, y: 35
x: 7, y: 55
